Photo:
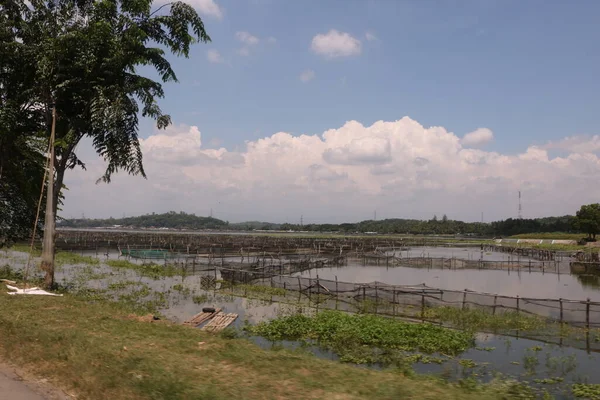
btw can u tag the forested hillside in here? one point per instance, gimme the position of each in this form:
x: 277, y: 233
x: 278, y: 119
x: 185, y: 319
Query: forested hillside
x: 439, y: 226
x: 172, y: 219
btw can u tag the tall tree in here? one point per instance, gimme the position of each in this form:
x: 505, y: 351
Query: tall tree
x: 86, y: 54
x: 588, y: 220
x: 21, y: 139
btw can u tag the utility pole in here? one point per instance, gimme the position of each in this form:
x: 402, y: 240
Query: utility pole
x: 47, y: 264
x: 520, y: 208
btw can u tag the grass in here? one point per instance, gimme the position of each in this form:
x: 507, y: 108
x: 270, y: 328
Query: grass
x: 550, y: 236
x: 99, y: 350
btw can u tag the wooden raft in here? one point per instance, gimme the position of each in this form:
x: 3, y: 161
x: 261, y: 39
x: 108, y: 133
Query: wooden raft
x: 220, y: 322
x: 201, y: 318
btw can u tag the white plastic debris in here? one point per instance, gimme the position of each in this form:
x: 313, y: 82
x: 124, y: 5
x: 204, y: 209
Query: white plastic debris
x: 34, y: 290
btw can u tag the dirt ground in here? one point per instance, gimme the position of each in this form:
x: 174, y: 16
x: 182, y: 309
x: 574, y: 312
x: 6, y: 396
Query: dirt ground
x: 18, y: 385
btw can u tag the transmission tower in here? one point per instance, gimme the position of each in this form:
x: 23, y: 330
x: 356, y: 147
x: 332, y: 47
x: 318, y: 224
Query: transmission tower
x: 520, y: 207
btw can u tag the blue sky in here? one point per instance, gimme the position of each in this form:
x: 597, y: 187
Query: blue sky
x: 520, y: 77
x: 525, y: 69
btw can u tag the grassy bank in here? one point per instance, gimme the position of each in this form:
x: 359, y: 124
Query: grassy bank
x: 99, y: 350
x: 550, y: 236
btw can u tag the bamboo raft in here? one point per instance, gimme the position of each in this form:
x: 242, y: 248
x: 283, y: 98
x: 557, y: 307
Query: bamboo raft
x: 220, y: 322
x: 201, y: 318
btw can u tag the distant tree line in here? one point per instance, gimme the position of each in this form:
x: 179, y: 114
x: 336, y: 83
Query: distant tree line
x: 443, y: 226
x: 447, y: 226
x: 172, y: 219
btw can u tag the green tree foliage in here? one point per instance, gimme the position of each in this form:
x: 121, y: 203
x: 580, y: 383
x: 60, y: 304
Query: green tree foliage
x: 172, y: 219
x: 182, y: 220
x: 588, y: 220
x: 84, y: 56
x: 506, y: 227
x: 21, y: 140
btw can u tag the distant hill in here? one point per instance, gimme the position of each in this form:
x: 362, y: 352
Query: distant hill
x: 172, y: 219
x: 434, y: 226
x: 255, y: 225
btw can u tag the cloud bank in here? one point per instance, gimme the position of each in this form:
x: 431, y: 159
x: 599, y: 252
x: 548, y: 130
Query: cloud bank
x: 399, y: 168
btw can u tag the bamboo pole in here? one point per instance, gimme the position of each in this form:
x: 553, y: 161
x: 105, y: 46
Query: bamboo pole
x: 48, y: 250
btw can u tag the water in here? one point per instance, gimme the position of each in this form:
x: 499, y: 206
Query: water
x: 501, y: 282
x: 508, y: 355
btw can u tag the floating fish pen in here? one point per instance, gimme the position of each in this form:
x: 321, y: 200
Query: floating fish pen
x: 153, y: 254
x: 226, y: 245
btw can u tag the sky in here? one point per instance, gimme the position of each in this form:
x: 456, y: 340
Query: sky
x: 336, y: 110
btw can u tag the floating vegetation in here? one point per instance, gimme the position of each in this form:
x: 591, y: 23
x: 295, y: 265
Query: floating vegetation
x: 200, y: 299
x: 354, y: 337
x: 587, y: 391
x: 477, y: 320
x: 178, y: 287
x: 272, y: 291
x: 150, y: 270
x: 65, y: 257
x: 465, y: 362
x: 549, y: 381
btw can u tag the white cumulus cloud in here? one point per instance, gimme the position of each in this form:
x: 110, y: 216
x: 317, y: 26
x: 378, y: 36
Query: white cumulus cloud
x: 307, y: 75
x: 478, y: 137
x: 335, y: 44
x: 246, y: 38
x: 401, y: 168
x: 214, y: 56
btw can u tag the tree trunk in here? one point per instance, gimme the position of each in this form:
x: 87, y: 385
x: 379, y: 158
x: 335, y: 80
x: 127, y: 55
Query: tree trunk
x: 50, y: 219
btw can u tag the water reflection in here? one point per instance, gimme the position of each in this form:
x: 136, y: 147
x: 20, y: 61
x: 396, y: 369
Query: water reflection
x: 502, y: 282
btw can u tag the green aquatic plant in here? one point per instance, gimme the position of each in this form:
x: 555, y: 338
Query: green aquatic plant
x: 549, y: 381
x: 178, y: 287
x: 268, y: 290
x: 149, y: 270
x: 199, y: 299
x: 588, y: 391
x: 68, y: 258
x: 467, y: 363
x: 341, y: 331
x: 478, y: 319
